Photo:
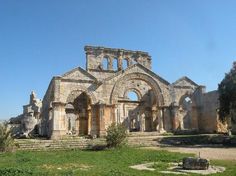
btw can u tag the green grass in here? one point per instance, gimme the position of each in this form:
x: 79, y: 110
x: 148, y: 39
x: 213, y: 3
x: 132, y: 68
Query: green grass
x: 112, y: 162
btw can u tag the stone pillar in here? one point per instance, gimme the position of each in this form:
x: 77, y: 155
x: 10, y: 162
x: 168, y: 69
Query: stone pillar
x: 77, y: 124
x: 102, y: 128
x: 89, y: 120
x: 154, y: 121
x: 110, y: 63
x: 174, y: 115
x: 142, y: 122
x: 117, y: 114
x: 151, y: 119
x: 181, y: 114
x: 58, y: 118
x: 129, y: 62
x: 160, y: 121
x: 120, y: 59
x: 154, y: 118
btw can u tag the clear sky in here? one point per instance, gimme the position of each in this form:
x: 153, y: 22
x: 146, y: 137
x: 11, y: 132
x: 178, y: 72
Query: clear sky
x: 41, y: 39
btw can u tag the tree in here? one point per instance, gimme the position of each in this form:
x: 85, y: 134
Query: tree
x: 6, y: 140
x: 227, y: 94
x: 116, y: 135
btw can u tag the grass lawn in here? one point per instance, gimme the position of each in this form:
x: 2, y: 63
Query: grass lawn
x: 112, y: 162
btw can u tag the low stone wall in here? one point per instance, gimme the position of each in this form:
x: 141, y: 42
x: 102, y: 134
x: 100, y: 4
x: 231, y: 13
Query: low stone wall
x: 78, y: 143
x: 199, y: 140
x: 133, y: 140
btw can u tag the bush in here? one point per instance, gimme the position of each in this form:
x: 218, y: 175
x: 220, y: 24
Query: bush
x: 15, y: 172
x: 116, y: 135
x: 6, y: 140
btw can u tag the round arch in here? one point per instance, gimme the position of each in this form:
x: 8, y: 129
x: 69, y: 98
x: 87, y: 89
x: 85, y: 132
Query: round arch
x: 75, y: 93
x: 133, y: 90
x: 137, y: 76
x: 186, y: 95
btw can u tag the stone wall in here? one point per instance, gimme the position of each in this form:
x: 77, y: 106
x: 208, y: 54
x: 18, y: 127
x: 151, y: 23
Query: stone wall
x: 209, y: 115
x: 160, y: 104
x: 96, y: 55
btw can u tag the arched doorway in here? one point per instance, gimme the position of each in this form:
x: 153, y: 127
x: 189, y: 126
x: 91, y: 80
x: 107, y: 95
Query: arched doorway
x: 137, y: 114
x: 185, y: 111
x: 82, y: 108
x: 70, y: 119
x: 78, y: 112
x: 132, y: 109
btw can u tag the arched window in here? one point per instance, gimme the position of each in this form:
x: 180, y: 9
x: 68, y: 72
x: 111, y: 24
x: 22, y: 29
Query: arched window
x: 186, y: 113
x: 187, y: 99
x: 105, y: 63
x: 124, y: 63
x: 115, y: 64
x: 134, y: 61
x: 132, y: 96
x: 187, y: 103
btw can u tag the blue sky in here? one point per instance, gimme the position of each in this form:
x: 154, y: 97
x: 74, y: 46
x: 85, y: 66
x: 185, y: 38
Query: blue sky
x: 41, y: 39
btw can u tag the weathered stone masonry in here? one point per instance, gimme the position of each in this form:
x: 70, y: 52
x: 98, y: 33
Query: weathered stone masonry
x: 87, y: 101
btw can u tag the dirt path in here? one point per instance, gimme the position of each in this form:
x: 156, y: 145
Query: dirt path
x: 205, y: 152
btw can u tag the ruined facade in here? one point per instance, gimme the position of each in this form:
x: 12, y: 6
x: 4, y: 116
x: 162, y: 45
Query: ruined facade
x: 87, y: 101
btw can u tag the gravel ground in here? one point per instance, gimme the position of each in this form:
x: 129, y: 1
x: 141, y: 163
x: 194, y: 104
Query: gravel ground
x: 205, y: 152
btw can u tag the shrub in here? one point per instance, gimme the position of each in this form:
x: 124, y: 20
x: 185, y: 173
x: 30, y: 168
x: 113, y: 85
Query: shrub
x: 116, y: 135
x: 6, y: 140
x: 15, y: 172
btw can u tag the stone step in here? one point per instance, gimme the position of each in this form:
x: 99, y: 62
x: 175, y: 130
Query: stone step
x: 154, y: 133
x: 33, y: 144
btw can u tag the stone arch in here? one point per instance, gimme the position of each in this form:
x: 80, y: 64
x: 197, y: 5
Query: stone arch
x: 108, y: 65
x: 129, y: 60
x: 138, y: 76
x: 133, y: 90
x: 185, y: 114
x: 75, y: 93
x: 184, y: 96
x: 115, y: 64
x: 125, y: 63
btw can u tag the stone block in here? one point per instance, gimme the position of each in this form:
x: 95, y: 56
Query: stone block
x: 190, y: 163
x: 233, y: 141
x: 218, y: 140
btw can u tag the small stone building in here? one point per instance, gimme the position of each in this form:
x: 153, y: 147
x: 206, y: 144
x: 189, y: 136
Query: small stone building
x: 119, y: 86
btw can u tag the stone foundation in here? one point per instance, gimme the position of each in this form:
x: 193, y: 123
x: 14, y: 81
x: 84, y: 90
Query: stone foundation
x: 190, y: 163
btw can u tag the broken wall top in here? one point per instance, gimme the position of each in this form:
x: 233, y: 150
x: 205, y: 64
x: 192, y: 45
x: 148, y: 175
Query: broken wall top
x: 115, y: 58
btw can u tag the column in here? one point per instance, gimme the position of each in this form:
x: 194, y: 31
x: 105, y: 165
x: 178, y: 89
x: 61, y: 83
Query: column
x: 174, y: 114
x: 102, y: 130
x: 77, y: 124
x: 89, y: 120
x: 151, y: 123
x: 154, y: 119
x: 58, y: 120
x: 160, y: 121
x: 120, y: 58
x: 142, y: 124
x: 110, y: 63
x: 129, y: 62
x: 116, y: 113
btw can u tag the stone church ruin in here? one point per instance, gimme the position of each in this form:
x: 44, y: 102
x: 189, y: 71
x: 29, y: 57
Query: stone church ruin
x: 87, y: 101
